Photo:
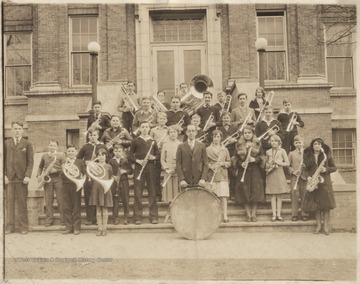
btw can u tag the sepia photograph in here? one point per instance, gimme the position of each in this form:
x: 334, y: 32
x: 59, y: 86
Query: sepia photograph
x: 167, y: 141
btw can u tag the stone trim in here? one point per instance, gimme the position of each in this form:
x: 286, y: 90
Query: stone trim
x: 47, y: 118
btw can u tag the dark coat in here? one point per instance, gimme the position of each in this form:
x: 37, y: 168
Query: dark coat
x: 19, y: 159
x: 192, y: 166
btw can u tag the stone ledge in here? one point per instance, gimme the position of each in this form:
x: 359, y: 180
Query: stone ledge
x: 73, y: 91
x: 57, y: 117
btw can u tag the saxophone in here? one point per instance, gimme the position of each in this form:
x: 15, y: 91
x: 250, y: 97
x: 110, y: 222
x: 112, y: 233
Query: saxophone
x: 313, y: 182
x: 45, y: 178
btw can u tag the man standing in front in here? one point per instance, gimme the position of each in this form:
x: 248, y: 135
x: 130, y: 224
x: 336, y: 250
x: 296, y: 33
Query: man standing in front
x: 191, y: 160
x: 19, y: 162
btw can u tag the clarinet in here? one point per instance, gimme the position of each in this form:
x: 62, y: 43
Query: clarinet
x: 247, y: 161
x: 146, y: 160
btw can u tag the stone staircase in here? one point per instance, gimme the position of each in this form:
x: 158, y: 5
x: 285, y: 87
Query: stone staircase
x: 236, y: 215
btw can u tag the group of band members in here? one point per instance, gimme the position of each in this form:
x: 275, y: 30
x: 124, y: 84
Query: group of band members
x: 243, y: 153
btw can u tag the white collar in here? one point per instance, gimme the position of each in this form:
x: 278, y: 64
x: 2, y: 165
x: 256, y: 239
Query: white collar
x: 149, y: 111
x: 145, y: 139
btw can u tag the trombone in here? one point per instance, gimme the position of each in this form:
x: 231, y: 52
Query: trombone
x: 157, y: 105
x: 129, y: 102
x: 228, y: 100
x: 137, y: 131
x: 268, y: 101
x: 209, y: 120
x: 236, y: 134
x: 265, y: 136
x: 291, y: 122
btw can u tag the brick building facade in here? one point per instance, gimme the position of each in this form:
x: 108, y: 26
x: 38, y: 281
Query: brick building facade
x: 158, y: 46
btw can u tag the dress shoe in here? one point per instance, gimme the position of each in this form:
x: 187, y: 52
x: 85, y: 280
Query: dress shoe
x: 8, y: 232
x: 304, y: 218
x: 117, y: 222
x: 104, y: 233
x: 88, y: 223
x: 137, y: 222
x: 154, y: 222
x: 248, y: 219
x: 23, y: 232
x: 253, y: 218
x: 273, y: 218
x: 226, y: 220
x: 126, y: 222
x: 48, y: 224
x: 99, y: 233
x: 294, y: 218
x: 326, y: 232
x: 66, y: 232
x: 280, y: 218
x: 76, y: 232
x: 317, y: 230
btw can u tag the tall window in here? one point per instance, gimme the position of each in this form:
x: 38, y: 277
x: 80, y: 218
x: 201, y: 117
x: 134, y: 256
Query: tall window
x: 339, y: 56
x: 17, y: 47
x: 271, y: 26
x: 344, y: 142
x: 83, y: 31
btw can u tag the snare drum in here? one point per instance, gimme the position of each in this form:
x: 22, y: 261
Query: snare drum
x: 196, y: 213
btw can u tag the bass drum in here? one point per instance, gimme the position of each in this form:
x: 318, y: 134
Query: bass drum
x: 196, y: 213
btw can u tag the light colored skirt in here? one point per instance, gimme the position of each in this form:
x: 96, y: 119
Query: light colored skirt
x: 220, y: 188
x: 171, y: 188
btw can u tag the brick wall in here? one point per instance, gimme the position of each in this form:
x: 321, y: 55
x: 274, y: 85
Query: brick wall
x: 343, y: 217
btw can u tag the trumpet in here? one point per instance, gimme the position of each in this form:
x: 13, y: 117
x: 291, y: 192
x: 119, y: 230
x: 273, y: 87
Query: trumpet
x: 45, y: 178
x: 95, y: 125
x: 158, y: 106
x: 236, y: 135
x: 265, y: 136
x: 209, y: 120
x: 71, y: 171
x: 111, y: 143
x: 268, y: 101
x: 202, y: 138
x: 129, y: 102
x: 97, y: 173
x: 247, y: 160
x: 291, y: 122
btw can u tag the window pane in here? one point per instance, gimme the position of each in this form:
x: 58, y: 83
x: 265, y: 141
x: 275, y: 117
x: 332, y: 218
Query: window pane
x: 166, y: 70
x: 76, y: 42
x: 93, y: 25
x: 85, y: 69
x: 76, y: 26
x: 192, y: 64
x: 76, y: 69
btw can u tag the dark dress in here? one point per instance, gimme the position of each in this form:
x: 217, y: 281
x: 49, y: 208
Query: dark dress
x: 324, y: 193
x: 97, y: 196
x: 253, y: 187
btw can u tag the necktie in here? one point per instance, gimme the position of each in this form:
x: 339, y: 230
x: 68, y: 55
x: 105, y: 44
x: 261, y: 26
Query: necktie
x: 17, y: 141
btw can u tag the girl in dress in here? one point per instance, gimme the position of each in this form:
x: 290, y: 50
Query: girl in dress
x: 250, y: 187
x: 323, y: 195
x: 219, y: 161
x: 259, y: 101
x: 276, y: 183
x: 100, y: 199
x: 168, y: 163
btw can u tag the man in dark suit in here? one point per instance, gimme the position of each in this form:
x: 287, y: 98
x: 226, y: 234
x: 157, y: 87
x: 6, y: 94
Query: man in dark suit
x: 19, y: 162
x: 101, y: 122
x: 191, y: 160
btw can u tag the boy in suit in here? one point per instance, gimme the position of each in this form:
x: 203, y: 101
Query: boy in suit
x: 19, y: 162
x: 52, y: 162
x: 97, y: 116
x: 191, y: 160
x: 206, y: 110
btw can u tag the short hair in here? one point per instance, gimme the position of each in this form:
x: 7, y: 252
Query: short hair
x: 71, y: 146
x: 118, y: 146
x: 96, y: 103
x: 187, y: 127
x: 115, y: 115
x: 195, y: 115
x: 298, y: 138
x: 268, y: 107
x: 241, y: 94
x: 94, y: 131
x: 130, y: 82
x: 158, y: 92
x: 221, y: 93
x: 175, y: 97
x: 161, y: 114
x: 216, y: 132
x: 287, y: 100
x: 143, y: 121
x: 207, y: 93
x: 277, y: 138
x: 183, y: 83
x: 225, y: 113
x: 101, y: 151
x: 145, y: 99
x: 262, y: 90
x: 172, y: 127
x: 18, y: 123
x: 55, y: 141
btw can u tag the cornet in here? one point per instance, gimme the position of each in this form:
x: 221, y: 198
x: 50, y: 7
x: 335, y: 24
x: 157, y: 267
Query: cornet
x: 291, y: 122
x: 97, y: 173
x: 265, y: 136
x: 268, y: 101
x: 71, y: 171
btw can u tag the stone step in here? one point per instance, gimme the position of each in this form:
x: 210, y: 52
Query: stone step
x: 233, y: 214
x: 235, y: 226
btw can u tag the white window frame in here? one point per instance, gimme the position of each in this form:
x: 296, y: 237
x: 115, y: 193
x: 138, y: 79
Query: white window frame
x: 83, y: 52
x: 353, y: 59
x: 5, y: 59
x: 271, y: 15
x: 353, y: 140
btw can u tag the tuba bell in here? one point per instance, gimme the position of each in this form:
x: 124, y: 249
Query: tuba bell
x: 72, y: 172
x: 194, y: 99
x: 97, y: 173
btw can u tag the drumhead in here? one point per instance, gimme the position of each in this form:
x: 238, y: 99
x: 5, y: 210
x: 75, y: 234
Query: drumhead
x: 196, y: 213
